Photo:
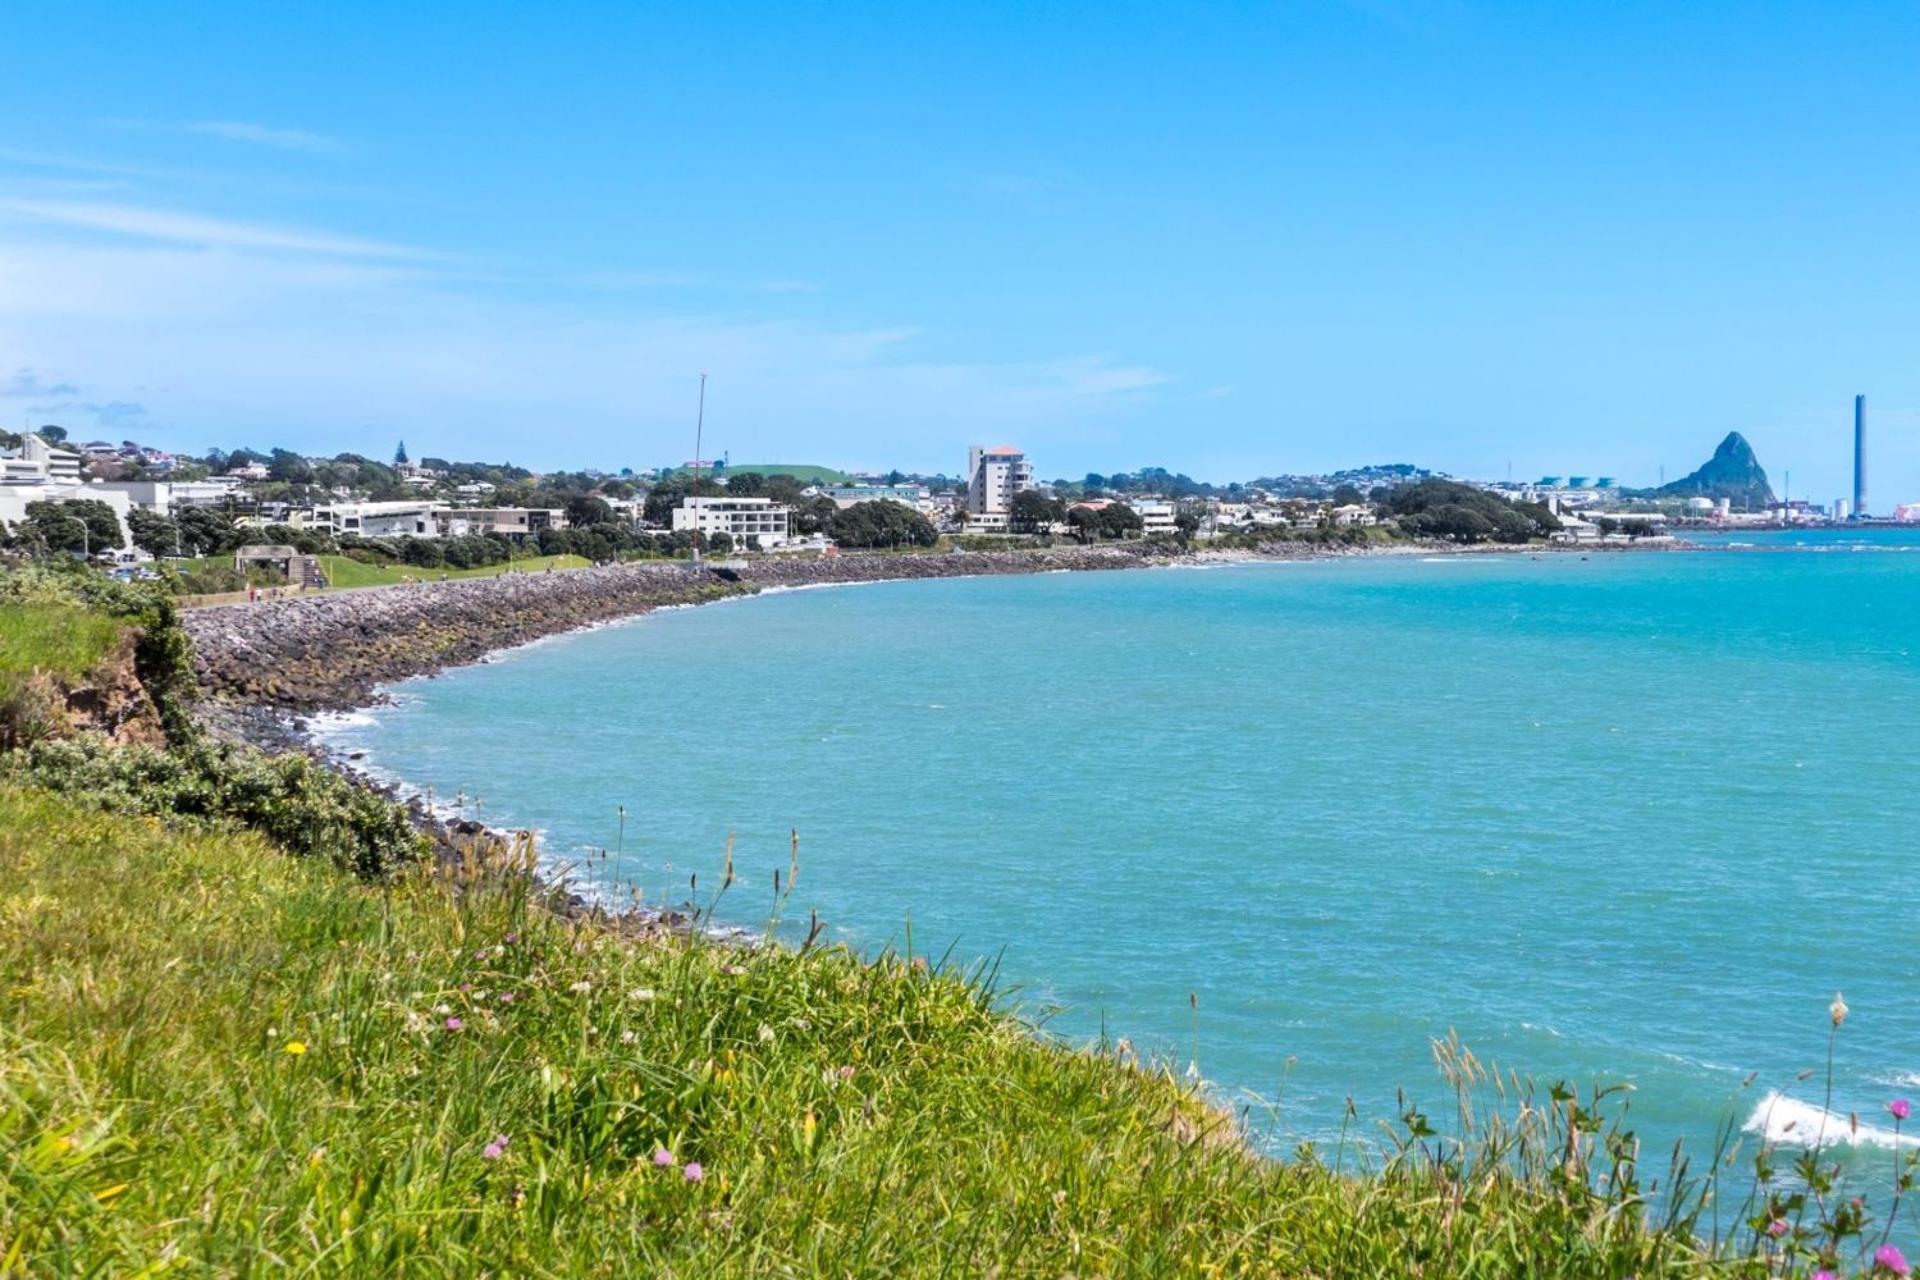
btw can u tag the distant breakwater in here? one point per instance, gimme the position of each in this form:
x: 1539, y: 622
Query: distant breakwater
x: 330, y: 652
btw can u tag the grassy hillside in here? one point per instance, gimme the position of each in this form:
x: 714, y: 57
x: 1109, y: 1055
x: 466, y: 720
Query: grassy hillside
x: 803, y: 472
x: 214, y: 1053
x: 62, y: 640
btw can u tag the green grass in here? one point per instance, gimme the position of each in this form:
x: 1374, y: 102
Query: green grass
x: 221, y: 1057
x: 342, y: 572
x: 64, y: 641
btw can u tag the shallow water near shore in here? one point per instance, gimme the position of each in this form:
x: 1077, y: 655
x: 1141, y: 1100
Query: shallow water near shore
x: 1622, y: 818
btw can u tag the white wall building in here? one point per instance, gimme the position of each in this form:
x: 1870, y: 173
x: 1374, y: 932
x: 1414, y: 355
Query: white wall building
x: 16, y: 498
x: 509, y: 522
x: 382, y: 519
x: 739, y: 518
x: 917, y: 496
x: 993, y: 477
x: 38, y: 472
x: 166, y: 497
x: 1156, y: 516
x: 37, y: 462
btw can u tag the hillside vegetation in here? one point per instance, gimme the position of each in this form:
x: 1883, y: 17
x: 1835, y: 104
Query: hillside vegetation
x: 61, y: 641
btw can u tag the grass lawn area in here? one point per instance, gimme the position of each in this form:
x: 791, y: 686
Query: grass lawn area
x: 342, y: 572
x: 65, y: 641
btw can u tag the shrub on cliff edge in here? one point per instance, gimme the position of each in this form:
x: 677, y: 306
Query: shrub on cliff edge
x: 299, y: 805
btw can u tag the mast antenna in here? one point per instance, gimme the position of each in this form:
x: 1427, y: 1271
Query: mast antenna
x: 699, y: 431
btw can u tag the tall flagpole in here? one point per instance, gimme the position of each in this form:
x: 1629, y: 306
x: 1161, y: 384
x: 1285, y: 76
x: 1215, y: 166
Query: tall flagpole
x: 699, y: 430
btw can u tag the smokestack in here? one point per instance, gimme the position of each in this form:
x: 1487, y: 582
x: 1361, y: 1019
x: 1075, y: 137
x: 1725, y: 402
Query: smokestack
x: 1859, y: 457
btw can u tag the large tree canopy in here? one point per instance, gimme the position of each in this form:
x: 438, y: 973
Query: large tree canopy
x: 1458, y: 512
x: 882, y: 524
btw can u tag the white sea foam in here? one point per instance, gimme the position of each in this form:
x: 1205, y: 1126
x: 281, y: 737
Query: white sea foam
x: 788, y: 588
x: 327, y: 723
x: 1791, y: 1122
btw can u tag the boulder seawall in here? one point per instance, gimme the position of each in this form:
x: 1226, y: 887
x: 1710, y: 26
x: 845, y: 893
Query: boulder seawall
x: 331, y: 651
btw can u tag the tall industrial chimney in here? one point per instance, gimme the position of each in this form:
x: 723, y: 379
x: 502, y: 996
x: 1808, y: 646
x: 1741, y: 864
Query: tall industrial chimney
x: 1859, y: 457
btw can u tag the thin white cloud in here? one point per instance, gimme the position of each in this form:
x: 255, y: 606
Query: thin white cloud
x: 614, y: 281
x: 1095, y: 376
x: 259, y: 135
x: 81, y: 164
x: 265, y: 136
x: 341, y: 352
x: 192, y: 229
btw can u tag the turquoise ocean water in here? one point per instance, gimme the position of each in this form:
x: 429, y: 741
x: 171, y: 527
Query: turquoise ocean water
x: 1627, y: 817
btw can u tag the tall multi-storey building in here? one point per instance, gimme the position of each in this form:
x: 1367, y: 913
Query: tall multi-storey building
x: 993, y: 477
x: 738, y: 518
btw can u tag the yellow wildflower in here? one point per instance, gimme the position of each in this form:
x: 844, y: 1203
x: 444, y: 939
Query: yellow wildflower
x: 295, y: 1047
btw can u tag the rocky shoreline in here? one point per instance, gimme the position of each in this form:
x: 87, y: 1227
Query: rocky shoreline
x: 331, y: 652
x: 266, y: 668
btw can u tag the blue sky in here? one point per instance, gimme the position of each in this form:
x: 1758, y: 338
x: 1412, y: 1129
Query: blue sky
x: 1228, y: 239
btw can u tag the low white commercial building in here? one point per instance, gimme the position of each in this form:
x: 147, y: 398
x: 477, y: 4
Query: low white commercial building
x: 166, y: 497
x: 16, y: 498
x: 917, y: 496
x: 738, y: 518
x: 382, y: 519
x: 509, y: 522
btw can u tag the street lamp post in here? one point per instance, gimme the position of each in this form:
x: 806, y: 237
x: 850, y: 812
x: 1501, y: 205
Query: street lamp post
x: 86, y: 545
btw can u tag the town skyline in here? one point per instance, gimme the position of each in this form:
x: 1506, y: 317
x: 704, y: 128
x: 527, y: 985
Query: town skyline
x: 880, y: 236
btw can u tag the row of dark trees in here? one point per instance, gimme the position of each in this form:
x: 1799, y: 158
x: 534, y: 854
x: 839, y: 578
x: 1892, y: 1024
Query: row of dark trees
x: 881, y: 524
x: 1036, y: 512
x: 73, y: 525
x: 1434, y: 508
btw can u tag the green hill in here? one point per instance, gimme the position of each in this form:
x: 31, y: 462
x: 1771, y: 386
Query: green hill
x: 1733, y: 472
x: 803, y: 472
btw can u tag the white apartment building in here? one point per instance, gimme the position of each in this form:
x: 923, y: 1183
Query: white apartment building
x: 381, y: 519
x: 37, y: 462
x: 1157, y: 516
x: 739, y: 518
x: 993, y: 477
